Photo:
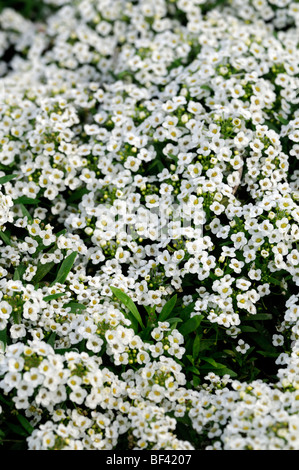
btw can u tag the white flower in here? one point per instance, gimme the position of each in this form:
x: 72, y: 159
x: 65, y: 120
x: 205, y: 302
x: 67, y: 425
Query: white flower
x: 6, y: 203
x: 277, y: 340
x: 242, y: 346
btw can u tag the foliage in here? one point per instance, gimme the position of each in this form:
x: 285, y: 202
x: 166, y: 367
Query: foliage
x: 149, y: 262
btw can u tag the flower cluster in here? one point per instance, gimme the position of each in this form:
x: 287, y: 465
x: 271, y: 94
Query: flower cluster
x: 149, y: 261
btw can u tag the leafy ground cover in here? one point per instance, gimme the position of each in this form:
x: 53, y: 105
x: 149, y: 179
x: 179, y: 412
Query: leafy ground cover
x: 149, y: 262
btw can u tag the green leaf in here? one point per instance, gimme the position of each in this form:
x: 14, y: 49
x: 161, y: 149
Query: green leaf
x: 42, y: 271
x: 128, y: 302
x: 229, y: 352
x: 17, y: 429
x: 186, y: 311
x: 52, y: 338
x: 206, y: 344
x: 81, y: 346
x: 218, y: 370
x: 174, y: 320
x: 213, y: 363
x: 271, y: 126
x: 196, y: 380
x: 4, y: 167
x: 65, y: 268
x: 54, y: 296
x: 173, y: 157
x: 152, y: 316
x: 263, y: 342
x: 145, y: 334
x: 5, y: 238
x: 263, y: 338
x: 62, y: 351
x: 191, y: 325
x: 167, y: 309
x: 193, y: 369
x: 4, y: 400
x: 283, y: 120
x: 190, y: 358
x: 170, y: 248
x: 259, y: 316
x: 75, y: 307
x: 25, y: 423
x: 196, y: 346
x: 6, y: 178
x: 206, y: 87
x: 19, y: 271
x: 274, y: 281
x: 149, y: 309
x: 26, y: 200
x: 25, y: 212
x: 77, y: 194
x: 248, y: 329
x: 3, y: 337
x: 268, y: 353
x: 62, y: 232
x: 226, y: 371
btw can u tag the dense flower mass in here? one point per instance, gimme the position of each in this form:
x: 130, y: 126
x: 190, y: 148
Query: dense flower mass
x: 149, y: 244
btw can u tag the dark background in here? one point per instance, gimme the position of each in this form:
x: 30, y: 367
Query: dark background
x: 28, y: 8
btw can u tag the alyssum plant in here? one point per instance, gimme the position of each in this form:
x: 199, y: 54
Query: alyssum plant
x: 149, y: 262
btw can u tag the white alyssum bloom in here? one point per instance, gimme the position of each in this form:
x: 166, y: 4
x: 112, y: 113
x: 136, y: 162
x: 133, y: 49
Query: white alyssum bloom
x: 6, y: 214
